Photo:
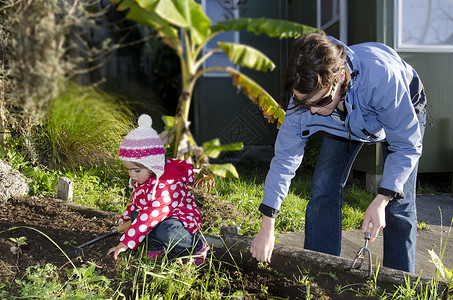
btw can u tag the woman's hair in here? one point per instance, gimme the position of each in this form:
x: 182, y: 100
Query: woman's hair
x: 313, y: 65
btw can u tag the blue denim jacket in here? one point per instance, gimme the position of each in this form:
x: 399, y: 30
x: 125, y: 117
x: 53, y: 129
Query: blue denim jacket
x: 382, y: 102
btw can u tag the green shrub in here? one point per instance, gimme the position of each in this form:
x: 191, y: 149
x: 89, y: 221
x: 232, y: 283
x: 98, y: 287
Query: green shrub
x: 83, y: 128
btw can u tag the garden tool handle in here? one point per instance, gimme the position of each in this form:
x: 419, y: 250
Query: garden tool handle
x: 368, y: 231
x: 119, y: 229
x: 123, y: 227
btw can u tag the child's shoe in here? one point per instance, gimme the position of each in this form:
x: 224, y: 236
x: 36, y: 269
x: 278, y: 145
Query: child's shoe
x: 200, y: 256
x: 154, y: 254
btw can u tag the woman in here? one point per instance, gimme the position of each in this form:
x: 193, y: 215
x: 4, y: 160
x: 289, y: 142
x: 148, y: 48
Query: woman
x: 359, y: 94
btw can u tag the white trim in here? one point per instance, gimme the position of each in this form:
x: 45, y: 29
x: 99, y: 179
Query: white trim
x: 318, y: 13
x: 344, y: 21
x: 411, y: 47
x: 330, y: 23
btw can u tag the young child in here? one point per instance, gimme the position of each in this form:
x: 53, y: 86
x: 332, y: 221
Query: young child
x: 162, y: 208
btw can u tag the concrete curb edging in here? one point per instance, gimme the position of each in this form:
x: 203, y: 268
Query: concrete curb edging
x: 285, y: 258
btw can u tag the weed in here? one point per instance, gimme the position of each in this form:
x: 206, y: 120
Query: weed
x: 338, y: 289
x: 408, y: 290
x: 44, y: 281
x: 304, y: 277
x: 443, y: 272
x: 371, y: 287
x: 422, y: 226
x: 367, y: 289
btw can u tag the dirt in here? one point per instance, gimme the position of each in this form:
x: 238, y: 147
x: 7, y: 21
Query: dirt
x: 24, y: 217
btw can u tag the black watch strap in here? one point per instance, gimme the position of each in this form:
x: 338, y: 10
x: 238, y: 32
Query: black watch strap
x: 269, y: 211
x: 392, y: 194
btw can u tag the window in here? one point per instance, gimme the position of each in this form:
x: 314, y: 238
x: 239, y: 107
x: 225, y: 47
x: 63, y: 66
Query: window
x: 219, y: 59
x: 328, y: 13
x: 424, y: 26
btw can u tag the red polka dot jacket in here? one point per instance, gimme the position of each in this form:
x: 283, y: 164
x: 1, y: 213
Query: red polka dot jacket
x: 172, y: 200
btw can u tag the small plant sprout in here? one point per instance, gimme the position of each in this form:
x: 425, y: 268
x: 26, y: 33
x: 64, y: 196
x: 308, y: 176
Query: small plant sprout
x: 304, y: 278
x: 70, y: 243
x: 20, y: 241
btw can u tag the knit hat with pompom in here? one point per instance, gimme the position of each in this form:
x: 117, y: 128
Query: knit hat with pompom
x: 143, y: 145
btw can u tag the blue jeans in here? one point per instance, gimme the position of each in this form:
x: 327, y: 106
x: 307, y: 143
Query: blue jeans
x: 171, y: 235
x: 323, y: 221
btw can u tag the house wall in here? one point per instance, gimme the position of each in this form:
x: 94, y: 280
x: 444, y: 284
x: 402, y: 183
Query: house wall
x: 434, y: 70
x: 362, y: 27
x: 361, y: 21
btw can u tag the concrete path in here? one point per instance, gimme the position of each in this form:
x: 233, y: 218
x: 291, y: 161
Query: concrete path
x: 429, y: 208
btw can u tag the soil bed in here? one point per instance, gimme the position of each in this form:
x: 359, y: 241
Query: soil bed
x: 67, y: 227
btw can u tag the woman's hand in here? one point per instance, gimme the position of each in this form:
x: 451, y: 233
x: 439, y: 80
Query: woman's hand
x: 117, y: 250
x: 263, y: 244
x: 375, y: 214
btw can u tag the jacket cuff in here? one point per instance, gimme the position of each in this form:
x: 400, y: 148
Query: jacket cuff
x: 269, y: 211
x: 392, y: 194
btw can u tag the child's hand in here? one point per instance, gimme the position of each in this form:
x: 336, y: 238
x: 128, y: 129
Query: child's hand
x: 117, y: 250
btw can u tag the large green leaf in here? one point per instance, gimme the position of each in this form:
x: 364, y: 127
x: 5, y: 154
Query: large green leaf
x: 151, y: 19
x: 169, y: 121
x: 213, y: 148
x: 247, y: 56
x: 271, y: 109
x: 168, y: 10
x: 270, y: 27
x: 149, y: 5
x: 224, y: 170
x: 123, y: 4
x: 186, y: 14
x: 437, y: 263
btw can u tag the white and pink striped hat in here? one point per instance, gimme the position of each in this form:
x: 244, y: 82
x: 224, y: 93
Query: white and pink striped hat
x: 143, y: 145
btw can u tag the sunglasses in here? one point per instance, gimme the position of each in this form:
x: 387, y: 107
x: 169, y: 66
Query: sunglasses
x: 321, y: 102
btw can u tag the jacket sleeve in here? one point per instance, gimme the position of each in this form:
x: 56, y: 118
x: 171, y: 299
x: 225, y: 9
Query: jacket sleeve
x: 186, y: 171
x: 148, y: 217
x: 402, y: 129
x: 126, y: 215
x: 289, y: 151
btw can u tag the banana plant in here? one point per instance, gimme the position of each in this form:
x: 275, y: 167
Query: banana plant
x: 184, y: 27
